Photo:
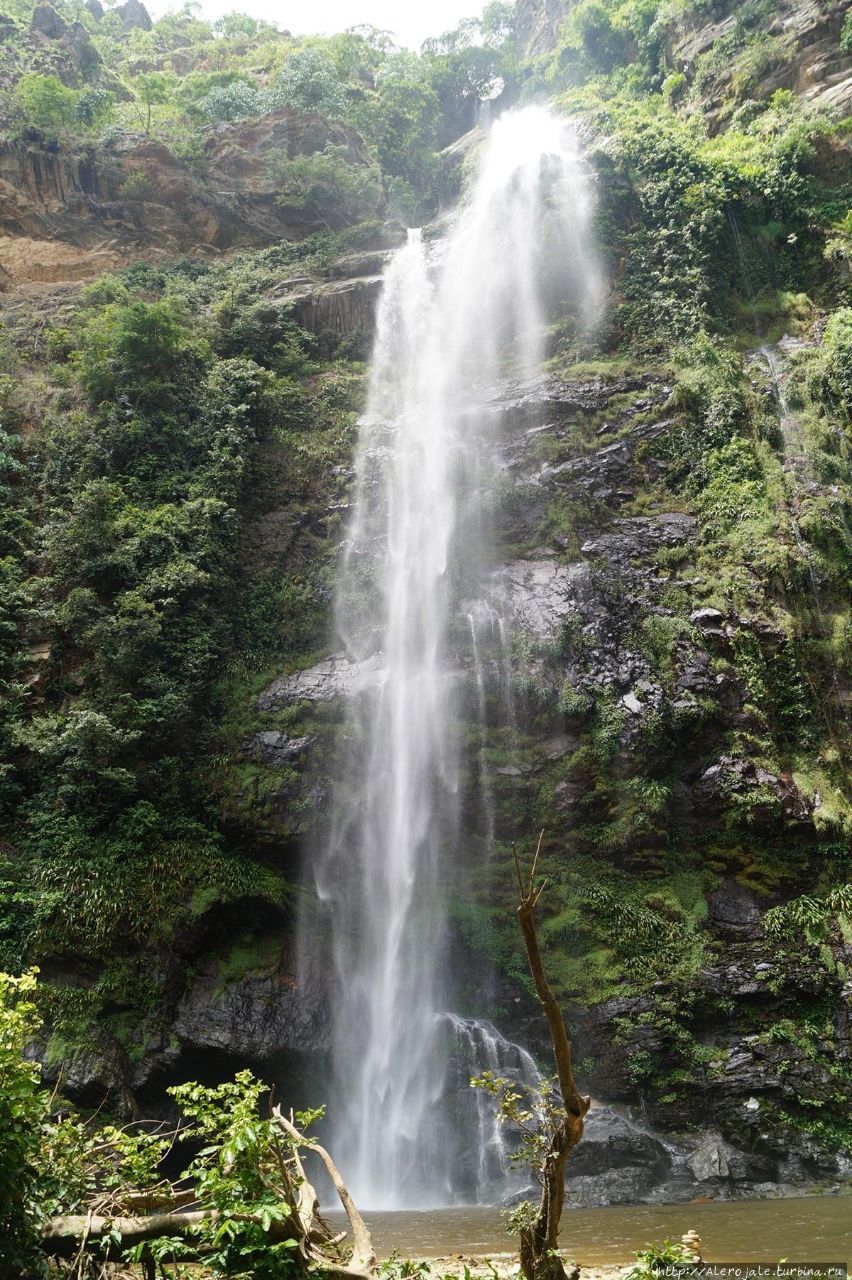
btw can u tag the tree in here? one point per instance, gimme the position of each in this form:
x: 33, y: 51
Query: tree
x: 401, y: 121
x: 232, y: 101
x: 155, y: 88
x: 309, y: 82
x: 44, y: 101
x: 92, y: 106
x: 553, y: 1125
x: 244, y: 1204
x: 240, y: 26
x: 136, y: 351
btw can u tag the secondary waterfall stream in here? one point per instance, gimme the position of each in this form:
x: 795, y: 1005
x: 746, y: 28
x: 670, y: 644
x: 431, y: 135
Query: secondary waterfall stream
x: 456, y: 315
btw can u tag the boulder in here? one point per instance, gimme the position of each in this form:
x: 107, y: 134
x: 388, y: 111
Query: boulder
x: 47, y: 22
x: 134, y: 16
x: 612, y: 1142
x: 733, y: 909
x: 334, y: 677
x: 272, y: 747
x: 708, y: 1162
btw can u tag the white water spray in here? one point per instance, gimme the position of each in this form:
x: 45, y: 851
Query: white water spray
x: 453, y: 318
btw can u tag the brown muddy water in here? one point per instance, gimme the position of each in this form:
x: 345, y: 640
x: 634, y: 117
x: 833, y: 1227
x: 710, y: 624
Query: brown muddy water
x: 806, y: 1229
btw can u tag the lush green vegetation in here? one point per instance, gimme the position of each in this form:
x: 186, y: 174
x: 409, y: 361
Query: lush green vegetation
x: 151, y: 422
x: 175, y: 389
x: 174, y: 81
x: 55, y: 1164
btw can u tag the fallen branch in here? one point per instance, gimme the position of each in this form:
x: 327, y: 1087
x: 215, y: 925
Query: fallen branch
x: 362, y: 1261
x: 62, y: 1236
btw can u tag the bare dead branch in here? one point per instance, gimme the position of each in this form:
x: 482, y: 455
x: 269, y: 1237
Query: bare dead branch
x: 363, y: 1259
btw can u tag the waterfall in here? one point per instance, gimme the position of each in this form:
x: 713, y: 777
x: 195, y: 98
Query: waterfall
x: 455, y: 315
x: 478, y: 1046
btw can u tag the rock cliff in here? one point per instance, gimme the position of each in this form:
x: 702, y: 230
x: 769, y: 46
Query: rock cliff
x: 68, y: 214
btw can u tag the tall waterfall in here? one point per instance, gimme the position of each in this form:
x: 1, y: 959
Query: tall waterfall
x: 455, y: 316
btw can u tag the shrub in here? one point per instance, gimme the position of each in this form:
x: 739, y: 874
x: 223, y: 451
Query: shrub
x: 328, y: 184
x: 44, y: 101
x: 22, y: 1109
x: 232, y: 101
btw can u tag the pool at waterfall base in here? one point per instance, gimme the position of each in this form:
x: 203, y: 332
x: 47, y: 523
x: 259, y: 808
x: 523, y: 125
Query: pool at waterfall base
x: 801, y: 1228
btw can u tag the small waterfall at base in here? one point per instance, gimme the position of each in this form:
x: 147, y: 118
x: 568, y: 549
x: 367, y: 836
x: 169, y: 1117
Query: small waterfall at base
x: 484, y: 1165
x: 454, y: 316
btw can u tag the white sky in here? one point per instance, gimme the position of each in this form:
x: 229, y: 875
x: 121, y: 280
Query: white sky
x: 411, y: 21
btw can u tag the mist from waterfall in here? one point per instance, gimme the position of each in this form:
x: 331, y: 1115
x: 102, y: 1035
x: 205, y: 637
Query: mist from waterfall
x: 455, y: 316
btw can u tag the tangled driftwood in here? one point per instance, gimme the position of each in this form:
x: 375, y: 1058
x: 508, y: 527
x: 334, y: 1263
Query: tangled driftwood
x: 319, y: 1247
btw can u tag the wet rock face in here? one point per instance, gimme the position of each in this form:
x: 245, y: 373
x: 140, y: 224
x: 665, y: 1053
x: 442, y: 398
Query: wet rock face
x: 258, y: 1016
x: 732, y: 1104
x: 575, y: 600
x: 733, y: 909
x: 333, y: 678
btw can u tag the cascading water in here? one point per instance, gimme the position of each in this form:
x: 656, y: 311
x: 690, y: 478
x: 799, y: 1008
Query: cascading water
x: 454, y: 316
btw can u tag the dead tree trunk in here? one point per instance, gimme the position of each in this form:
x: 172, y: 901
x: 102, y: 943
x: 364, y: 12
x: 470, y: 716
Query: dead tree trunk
x: 538, y: 1255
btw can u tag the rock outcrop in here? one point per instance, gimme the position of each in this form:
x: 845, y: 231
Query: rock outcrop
x: 66, y: 215
x: 803, y: 53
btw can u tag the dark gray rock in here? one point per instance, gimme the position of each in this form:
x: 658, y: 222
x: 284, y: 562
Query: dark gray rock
x: 134, y: 16
x: 256, y: 1016
x: 538, y: 594
x: 47, y: 22
x: 369, y: 263
x: 772, y: 799
x: 612, y: 1186
x: 709, y: 1161
x: 641, y: 535
x: 272, y: 747
x: 339, y: 307
x: 612, y: 1142
x: 706, y: 618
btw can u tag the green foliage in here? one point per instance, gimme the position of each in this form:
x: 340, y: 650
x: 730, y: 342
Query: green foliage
x: 138, y: 351
x: 846, y: 34
x: 45, y: 101
x: 233, y: 101
x: 51, y: 1163
x: 655, y: 1259
x: 92, y: 106
x: 309, y: 82
x: 533, y: 1115
x: 154, y: 89
x: 809, y: 916
x: 327, y: 186
x: 703, y: 224
x: 231, y: 1174
x: 144, y: 493
x: 22, y: 1110
x: 829, y: 377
